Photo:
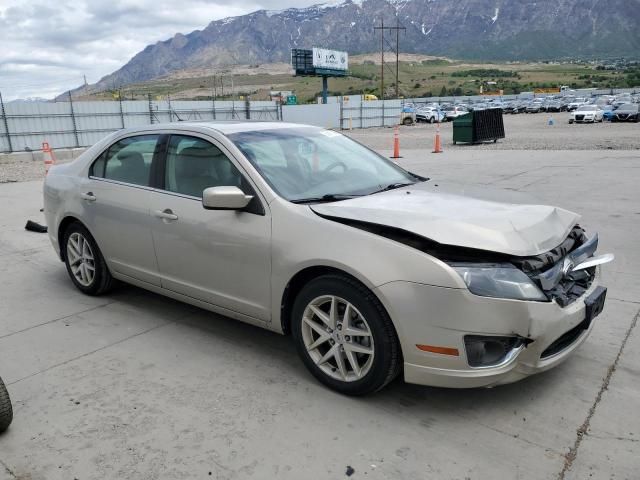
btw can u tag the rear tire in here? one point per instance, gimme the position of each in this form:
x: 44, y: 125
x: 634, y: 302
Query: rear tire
x: 6, y: 410
x: 84, y: 261
x: 362, y: 333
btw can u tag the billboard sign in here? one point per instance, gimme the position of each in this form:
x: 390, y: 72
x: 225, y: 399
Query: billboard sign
x: 330, y: 59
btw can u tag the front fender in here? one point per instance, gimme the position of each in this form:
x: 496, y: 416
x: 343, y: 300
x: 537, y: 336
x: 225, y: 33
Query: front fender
x: 302, y: 239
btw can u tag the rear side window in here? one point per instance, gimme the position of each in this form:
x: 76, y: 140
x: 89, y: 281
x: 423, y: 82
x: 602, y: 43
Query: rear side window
x: 128, y: 160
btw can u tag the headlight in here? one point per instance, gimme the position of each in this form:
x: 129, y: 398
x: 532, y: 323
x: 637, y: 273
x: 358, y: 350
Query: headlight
x: 499, y: 281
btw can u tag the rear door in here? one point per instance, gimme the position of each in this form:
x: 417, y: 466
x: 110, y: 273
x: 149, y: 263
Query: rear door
x: 116, y: 198
x: 217, y: 256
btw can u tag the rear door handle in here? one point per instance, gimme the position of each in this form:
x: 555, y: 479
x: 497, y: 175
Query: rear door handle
x: 166, y: 214
x: 89, y: 196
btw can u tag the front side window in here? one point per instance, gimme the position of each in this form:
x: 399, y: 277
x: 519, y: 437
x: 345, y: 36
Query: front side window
x: 194, y: 164
x: 128, y: 160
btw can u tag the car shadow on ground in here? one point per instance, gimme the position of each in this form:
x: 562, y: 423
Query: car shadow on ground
x: 400, y: 397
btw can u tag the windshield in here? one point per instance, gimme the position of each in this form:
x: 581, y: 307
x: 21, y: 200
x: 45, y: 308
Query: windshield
x: 312, y: 163
x: 628, y: 106
x: 587, y: 108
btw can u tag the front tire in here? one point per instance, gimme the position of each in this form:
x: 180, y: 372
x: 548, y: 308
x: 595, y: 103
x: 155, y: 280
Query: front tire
x: 84, y: 261
x: 344, y: 335
x: 6, y: 410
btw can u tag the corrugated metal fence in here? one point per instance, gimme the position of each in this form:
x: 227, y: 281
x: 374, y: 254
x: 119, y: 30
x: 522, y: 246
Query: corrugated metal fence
x: 80, y: 124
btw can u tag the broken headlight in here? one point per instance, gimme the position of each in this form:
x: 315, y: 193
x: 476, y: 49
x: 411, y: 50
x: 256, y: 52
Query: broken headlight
x: 499, y: 281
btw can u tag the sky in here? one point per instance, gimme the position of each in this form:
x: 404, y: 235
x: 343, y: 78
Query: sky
x: 46, y: 46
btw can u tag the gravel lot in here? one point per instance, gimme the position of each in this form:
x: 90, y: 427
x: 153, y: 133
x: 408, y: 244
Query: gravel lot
x: 523, y: 132
x: 24, y: 166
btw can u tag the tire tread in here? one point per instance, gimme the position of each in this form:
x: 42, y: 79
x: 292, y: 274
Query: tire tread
x: 6, y: 410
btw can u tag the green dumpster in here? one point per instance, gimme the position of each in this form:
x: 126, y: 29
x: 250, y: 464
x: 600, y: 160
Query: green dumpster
x: 479, y: 126
x: 463, y: 129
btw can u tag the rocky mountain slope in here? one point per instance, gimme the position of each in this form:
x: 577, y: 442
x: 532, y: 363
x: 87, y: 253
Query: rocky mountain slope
x: 473, y: 29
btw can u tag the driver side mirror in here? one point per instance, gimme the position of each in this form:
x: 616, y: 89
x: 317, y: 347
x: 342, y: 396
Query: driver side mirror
x: 225, y: 198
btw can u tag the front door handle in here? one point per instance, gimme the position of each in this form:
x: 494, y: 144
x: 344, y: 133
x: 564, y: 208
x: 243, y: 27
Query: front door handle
x: 166, y: 214
x: 89, y: 196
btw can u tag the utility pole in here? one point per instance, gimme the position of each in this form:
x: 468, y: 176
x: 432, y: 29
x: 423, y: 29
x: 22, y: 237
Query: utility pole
x: 73, y: 120
x: 397, y: 29
x: 381, y: 28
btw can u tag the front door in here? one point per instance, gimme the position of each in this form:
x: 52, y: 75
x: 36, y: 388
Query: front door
x: 217, y: 256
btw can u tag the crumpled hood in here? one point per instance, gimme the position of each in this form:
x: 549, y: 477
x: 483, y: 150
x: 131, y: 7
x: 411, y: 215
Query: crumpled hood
x: 472, y: 217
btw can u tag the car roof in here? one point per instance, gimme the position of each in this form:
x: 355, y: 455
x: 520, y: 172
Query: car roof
x: 225, y: 127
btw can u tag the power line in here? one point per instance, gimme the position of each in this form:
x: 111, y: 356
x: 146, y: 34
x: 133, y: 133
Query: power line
x: 397, y: 29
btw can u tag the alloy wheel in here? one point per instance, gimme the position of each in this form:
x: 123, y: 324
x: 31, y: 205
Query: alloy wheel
x: 337, y: 338
x: 81, y: 259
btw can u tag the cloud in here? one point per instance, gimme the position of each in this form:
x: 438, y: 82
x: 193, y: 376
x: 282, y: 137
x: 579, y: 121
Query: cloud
x: 47, y: 50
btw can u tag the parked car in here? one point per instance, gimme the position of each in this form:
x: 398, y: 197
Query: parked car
x: 429, y: 114
x: 575, y: 104
x: 607, y: 113
x: 554, y: 106
x: 373, y: 270
x: 586, y: 114
x: 454, y: 112
x: 6, y: 410
x: 516, y: 107
x: 564, y: 104
x: 627, y: 113
x: 408, y: 114
x: 534, y: 107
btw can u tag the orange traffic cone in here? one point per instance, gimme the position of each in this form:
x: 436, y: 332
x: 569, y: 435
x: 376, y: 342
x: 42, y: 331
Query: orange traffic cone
x: 396, y: 143
x: 437, y: 146
x: 49, y: 157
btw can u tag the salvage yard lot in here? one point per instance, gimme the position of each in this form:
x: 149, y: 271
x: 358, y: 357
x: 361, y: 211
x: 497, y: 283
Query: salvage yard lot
x: 523, y: 132
x: 133, y: 385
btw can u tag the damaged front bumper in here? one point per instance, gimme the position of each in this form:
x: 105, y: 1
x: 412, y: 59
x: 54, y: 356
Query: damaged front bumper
x: 452, y: 337
x: 430, y: 315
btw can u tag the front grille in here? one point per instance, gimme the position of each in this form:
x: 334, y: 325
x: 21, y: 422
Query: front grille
x: 579, y: 118
x: 566, y: 339
x: 572, y: 285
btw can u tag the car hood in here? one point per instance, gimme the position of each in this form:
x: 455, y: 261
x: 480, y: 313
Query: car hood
x: 485, y: 219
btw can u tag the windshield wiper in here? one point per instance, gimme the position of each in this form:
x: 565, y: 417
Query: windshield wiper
x: 393, y: 186
x: 330, y: 197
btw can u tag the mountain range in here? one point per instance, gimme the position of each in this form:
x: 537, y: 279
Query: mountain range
x: 463, y: 29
